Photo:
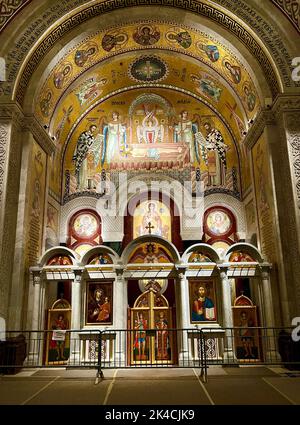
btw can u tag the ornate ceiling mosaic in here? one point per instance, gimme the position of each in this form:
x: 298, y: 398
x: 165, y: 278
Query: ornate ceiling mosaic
x: 155, y: 37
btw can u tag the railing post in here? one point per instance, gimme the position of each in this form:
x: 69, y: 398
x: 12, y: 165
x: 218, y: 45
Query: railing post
x: 99, y: 363
x: 203, y: 359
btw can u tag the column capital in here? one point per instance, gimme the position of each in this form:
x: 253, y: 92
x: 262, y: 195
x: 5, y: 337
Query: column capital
x: 286, y: 103
x: 270, y: 116
x: 181, y: 270
x: 223, y: 271
x: 119, y: 270
x: 78, y: 275
x: 12, y: 112
x: 36, y: 274
x: 265, y: 269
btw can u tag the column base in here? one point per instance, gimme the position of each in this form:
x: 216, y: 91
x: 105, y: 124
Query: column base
x: 272, y: 356
x: 229, y: 358
x: 185, y: 359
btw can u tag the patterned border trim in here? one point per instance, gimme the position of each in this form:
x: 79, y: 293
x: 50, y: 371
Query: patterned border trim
x: 12, y: 112
x: 291, y: 8
x: 3, y: 143
x: 283, y: 103
x: 107, y: 6
x: 9, y: 9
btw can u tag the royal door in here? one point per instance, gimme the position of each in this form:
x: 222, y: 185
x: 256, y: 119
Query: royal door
x: 151, y: 340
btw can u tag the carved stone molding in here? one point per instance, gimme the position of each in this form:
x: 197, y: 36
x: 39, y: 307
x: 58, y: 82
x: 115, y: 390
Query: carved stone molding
x: 264, y: 118
x: 271, y: 116
x: 9, y: 9
x: 40, y: 135
x: 286, y: 103
x: 292, y: 120
x: 291, y: 8
x: 3, y: 148
x: 11, y: 112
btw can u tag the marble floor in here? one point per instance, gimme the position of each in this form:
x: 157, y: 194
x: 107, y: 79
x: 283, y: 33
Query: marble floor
x: 225, y: 386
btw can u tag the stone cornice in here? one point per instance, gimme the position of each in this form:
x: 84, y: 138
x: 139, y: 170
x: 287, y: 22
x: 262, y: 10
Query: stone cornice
x: 39, y: 134
x: 291, y: 8
x: 12, y: 112
x: 264, y: 118
x: 286, y: 103
x: 270, y: 116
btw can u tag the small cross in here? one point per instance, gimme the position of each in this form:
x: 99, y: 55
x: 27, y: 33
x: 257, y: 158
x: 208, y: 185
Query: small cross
x: 149, y: 227
x: 148, y: 70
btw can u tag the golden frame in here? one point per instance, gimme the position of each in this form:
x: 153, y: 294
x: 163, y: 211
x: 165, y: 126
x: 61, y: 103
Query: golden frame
x: 210, y: 290
x: 246, y: 340
x: 152, y: 332
x: 104, y: 314
x: 58, y: 319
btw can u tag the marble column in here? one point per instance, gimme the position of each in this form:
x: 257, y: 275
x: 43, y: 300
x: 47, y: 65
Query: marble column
x: 16, y: 134
x: 279, y: 126
x: 10, y: 165
x: 36, y: 337
x: 76, y: 317
x: 184, y: 353
x: 19, y: 294
x: 120, y: 316
x: 229, y: 354
x: 269, y: 335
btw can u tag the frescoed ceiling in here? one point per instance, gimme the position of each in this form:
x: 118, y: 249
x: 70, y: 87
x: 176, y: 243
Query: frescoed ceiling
x: 162, y: 56
x: 158, y: 38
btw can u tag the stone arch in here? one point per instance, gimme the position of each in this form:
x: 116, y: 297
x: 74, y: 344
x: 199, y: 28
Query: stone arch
x: 246, y: 248
x: 100, y: 249
x: 58, y: 250
x: 203, y: 247
x: 148, y: 238
x: 198, y: 8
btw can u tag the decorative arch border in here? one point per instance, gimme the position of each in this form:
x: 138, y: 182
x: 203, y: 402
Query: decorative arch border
x: 248, y: 249
x: 129, y: 249
x: 58, y: 250
x: 97, y: 250
x: 203, y: 247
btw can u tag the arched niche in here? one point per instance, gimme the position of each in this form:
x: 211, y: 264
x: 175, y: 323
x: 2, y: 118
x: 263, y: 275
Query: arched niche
x: 190, y: 255
x: 107, y: 254
x: 157, y: 198
x: 149, y: 239
x: 248, y: 253
x: 58, y: 251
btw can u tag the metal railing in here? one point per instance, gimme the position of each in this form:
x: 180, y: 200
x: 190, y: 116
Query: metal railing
x: 150, y: 348
x: 251, y: 346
